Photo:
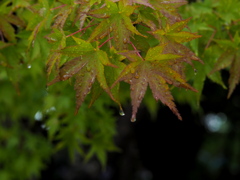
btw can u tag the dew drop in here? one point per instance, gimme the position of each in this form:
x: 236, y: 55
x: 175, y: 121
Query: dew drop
x: 125, y: 40
x: 102, y: 36
x: 29, y: 66
x: 33, y: 43
x: 137, y: 75
x: 110, y: 28
x: 66, y: 76
x: 133, y: 120
x: 195, y: 71
x: 121, y: 112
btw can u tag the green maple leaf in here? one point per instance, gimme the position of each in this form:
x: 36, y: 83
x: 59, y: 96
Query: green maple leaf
x: 230, y: 57
x: 87, y: 66
x: 174, y: 36
x: 116, y: 21
x: 156, y: 71
x: 58, y: 41
x: 6, y: 27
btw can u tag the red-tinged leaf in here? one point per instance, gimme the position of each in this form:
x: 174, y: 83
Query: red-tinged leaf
x: 172, y: 37
x: 179, y: 49
x: 178, y: 26
x: 161, y: 92
x: 173, y: 33
x: 234, y: 78
x: 52, y: 59
x: 83, y: 85
x: 61, y: 18
x: 168, y: 8
x: 130, y: 55
x: 138, y: 88
x: 72, y: 67
x: 157, y: 73
x: 116, y: 22
x: 87, y: 66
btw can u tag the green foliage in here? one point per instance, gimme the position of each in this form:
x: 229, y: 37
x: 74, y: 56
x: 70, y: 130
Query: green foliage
x: 96, y: 45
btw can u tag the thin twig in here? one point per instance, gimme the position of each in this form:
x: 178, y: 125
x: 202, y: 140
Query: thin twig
x: 105, y: 42
x: 58, y: 7
x: 136, y: 50
x: 80, y: 30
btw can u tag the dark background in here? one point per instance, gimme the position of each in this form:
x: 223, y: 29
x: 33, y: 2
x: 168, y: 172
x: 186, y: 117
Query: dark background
x: 166, y: 148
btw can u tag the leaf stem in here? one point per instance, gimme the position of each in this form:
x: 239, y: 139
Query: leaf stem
x: 136, y: 50
x: 80, y: 30
x: 58, y: 7
x: 105, y: 42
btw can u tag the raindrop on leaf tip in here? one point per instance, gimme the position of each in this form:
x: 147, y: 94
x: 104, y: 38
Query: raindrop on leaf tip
x: 133, y: 120
x: 121, y: 112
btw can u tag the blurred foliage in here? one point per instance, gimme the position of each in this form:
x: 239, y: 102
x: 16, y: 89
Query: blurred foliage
x: 36, y: 120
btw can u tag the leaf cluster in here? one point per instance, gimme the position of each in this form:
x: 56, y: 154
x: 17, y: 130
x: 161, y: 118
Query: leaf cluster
x: 108, y: 48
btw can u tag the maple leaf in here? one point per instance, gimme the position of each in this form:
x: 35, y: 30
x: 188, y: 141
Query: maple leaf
x: 230, y: 57
x: 58, y: 41
x: 156, y: 71
x: 87, y: 66
x: 111, y: 75
x: 174, y: 36
x: 116, y: 21
x: 6, y: 27
x: 168, y: 9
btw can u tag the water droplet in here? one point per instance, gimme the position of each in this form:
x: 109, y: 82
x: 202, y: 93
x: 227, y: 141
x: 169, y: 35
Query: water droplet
x: 195, y: 71
x: 66, y: 76
x: 133, y: 119
x: 137, y: 75
x: 33, y: 43
x: 38, y: 116
x: 125, y: 41
x: 102, y: 36
x: 104, y: 15
x: 29, y: 66
x: 110, y: 28
x: 121, y: 112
